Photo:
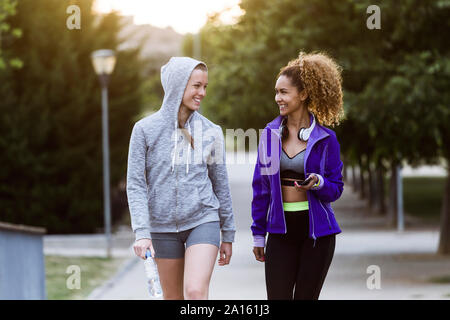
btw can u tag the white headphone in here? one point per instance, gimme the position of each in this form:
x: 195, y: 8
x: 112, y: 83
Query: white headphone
x: 303, y: 133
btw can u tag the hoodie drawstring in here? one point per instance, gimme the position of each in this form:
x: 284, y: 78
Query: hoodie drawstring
x: 175, y: 148
x: 189, y: 150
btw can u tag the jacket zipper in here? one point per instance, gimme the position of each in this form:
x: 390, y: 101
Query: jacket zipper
x: 176, y: 181
x: 281, y: 198
x: 310, y: 207
x: 279, y: 181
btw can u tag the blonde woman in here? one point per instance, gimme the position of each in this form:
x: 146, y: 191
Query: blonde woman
x: 177, y: 185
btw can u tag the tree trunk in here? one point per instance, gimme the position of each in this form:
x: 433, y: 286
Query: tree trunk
x: 444, y: 238
x: 354, y: 180
x: 380, y: 188
x: 392, y: 210
x: 362, y: 185
x: 372, y: 192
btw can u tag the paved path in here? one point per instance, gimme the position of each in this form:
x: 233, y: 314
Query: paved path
x: 405, y: 261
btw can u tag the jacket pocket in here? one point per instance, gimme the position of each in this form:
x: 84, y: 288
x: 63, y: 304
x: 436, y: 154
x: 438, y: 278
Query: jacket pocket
x: 208, y: 198
x: 189, y: 202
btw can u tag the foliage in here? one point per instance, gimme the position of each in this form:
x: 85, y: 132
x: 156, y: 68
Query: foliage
x: 7, y: 35
x: 396, y: 79
x: 50, y: 118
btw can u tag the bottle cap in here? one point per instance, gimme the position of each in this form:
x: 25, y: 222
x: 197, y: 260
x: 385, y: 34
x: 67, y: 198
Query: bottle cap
x: 148, y: 254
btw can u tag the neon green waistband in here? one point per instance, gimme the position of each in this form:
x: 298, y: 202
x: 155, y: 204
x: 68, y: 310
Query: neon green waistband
x: 295, y: 206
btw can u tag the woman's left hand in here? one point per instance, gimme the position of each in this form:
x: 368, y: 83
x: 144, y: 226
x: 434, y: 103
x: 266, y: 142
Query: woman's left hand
x: 313, y: 181
x: 225, y: 253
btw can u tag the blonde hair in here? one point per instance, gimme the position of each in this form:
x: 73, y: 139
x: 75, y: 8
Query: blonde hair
x: 204, y: 68
x: 320, y: 76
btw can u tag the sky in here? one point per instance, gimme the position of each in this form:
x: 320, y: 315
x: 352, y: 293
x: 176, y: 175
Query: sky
x: 183, y: 16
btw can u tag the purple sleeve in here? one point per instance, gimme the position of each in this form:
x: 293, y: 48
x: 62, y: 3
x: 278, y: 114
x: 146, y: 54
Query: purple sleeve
x: 259, y: 241
x: 321, y: 182
x: 261, y: 198
x: 333, y: 185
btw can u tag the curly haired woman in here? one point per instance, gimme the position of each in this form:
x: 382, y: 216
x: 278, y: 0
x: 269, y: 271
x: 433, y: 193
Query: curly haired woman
x: 295, y: 211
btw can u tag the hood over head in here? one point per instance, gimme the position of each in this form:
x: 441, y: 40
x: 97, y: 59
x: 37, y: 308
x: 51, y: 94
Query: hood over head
x: 175, y: 75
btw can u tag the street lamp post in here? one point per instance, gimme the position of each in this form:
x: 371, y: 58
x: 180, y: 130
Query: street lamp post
x: 400, y: 215
x: 104, y: 62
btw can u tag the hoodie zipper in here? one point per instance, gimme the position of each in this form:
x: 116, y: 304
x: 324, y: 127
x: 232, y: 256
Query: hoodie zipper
x: 176, y: 174
x: 176, y: 196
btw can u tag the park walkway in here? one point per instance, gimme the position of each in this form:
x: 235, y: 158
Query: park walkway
x: 405, y: 261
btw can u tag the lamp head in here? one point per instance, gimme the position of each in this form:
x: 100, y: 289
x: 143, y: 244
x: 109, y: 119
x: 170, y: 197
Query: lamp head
x: 103, y: 61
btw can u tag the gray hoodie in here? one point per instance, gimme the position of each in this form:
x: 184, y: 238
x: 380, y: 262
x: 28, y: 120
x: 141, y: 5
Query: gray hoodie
x: 172, y: 187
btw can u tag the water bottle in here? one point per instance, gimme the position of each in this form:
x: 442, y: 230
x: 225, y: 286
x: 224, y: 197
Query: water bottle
x: 151, y: 270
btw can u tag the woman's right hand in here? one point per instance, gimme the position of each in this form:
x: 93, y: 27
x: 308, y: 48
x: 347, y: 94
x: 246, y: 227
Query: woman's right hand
x: 140, y: 247
x: 259, y: 253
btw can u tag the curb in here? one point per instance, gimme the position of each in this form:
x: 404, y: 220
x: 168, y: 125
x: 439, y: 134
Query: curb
x: 98, y: 292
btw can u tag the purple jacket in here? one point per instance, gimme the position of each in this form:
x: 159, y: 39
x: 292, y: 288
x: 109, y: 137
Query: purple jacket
x: 322, y: 157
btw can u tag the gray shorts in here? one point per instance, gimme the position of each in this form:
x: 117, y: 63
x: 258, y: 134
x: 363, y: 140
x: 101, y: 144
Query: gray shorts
x: 171, y: 245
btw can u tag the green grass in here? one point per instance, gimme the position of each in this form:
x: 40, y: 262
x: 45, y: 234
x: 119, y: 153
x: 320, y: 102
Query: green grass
x: 440, y: 279
x: 93, y: 273
x: 423, y: 197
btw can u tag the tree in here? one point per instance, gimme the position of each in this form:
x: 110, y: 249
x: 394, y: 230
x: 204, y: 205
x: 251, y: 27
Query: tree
x: 50, y: 118
x: 8, y: 8
x: 396, y: 79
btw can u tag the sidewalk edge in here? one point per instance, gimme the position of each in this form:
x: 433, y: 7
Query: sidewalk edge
x: 98, y: 292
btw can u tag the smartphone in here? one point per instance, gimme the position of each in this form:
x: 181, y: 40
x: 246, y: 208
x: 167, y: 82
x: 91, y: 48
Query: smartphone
x: 304, y: 182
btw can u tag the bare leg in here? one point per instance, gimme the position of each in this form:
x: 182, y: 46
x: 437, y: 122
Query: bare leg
x: 171, y: 277
x: 198, y: 268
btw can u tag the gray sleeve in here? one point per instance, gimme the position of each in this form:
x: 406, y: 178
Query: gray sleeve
x: 217, y: 172
x: 137, y: 184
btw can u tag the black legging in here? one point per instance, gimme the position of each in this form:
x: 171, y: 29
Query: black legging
x: 294, y: 268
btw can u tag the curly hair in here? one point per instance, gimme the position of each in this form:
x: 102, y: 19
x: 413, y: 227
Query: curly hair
x: 321, y: 76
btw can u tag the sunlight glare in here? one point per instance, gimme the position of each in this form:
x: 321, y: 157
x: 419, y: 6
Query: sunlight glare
x: 183, y: 16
